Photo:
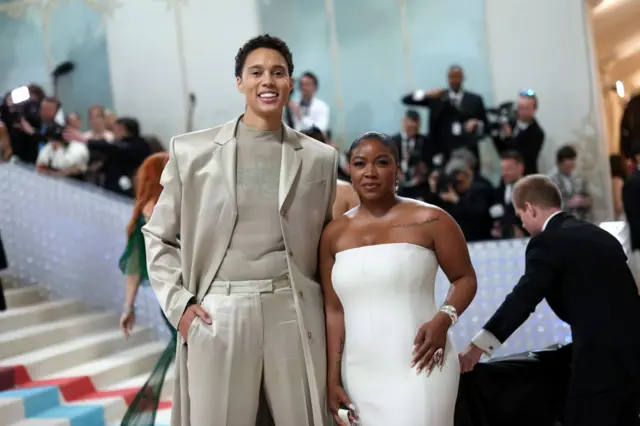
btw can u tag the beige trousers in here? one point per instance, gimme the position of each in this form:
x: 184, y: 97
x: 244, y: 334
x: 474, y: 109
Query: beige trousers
x: 634, y: 265
x: 249, y: 357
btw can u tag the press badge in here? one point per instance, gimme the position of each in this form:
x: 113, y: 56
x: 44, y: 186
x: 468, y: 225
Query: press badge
x: 456, y: 128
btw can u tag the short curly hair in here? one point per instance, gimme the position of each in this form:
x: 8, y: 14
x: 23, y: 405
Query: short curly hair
x: 263, y: 41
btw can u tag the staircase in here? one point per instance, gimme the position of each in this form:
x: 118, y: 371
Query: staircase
x: 61, y: 365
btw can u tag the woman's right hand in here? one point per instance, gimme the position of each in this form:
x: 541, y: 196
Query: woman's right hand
x: 337, y: 398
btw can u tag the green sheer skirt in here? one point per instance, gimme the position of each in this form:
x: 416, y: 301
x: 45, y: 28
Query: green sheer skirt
x: 143, y: 409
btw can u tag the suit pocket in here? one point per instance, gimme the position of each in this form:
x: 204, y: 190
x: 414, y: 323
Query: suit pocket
x: 312, y: 186
x: 191, y: 329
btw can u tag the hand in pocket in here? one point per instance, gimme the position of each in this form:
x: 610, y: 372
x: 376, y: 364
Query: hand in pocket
x: 189, y: 316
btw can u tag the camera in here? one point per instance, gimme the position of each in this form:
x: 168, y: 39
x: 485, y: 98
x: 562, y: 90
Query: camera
x: 446, y: 180
x: 498, y: 116
x: 17, y: 105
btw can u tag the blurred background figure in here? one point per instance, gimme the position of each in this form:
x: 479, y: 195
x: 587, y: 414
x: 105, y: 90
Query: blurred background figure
x: 619, y: 175
x: 4, y: 264
x: 133, y: 264
x: 573, y: 187
x: 60, y: 157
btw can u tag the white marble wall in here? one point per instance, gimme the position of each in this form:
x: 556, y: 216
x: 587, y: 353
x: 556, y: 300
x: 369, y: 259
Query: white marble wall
x: 161, y: 50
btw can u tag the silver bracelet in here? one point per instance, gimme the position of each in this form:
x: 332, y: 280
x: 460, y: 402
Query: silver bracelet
x: 451, y: 311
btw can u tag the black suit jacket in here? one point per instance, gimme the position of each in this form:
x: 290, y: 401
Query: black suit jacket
x: 443, y: 114
x: 123, y: 159
x: 471, y: 212
x: 527, y: 142
x: 631, y: 203
x: 422, y: 147
x: 630, y: 126
x: 581, y: 270
x: 509, y: 218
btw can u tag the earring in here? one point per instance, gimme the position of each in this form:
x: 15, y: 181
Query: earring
x: 397, y: 187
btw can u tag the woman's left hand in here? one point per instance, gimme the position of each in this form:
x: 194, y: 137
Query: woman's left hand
x: 429, y: 344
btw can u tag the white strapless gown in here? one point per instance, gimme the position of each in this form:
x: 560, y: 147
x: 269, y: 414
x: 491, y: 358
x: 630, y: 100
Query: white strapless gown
x: 387, y: 292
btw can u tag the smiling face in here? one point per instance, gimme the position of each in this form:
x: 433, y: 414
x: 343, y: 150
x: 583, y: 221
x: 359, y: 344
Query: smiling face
x: 265, y: 83
x: 373, y: 169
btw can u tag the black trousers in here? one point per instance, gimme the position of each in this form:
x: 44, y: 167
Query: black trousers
x: 3, y: 303
x: 3, y: 265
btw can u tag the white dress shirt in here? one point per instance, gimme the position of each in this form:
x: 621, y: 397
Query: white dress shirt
x: 317, y: 114
x: 106, y: 135
x: 456, y: 97
x: 74, y: 155
x: 485, y: 340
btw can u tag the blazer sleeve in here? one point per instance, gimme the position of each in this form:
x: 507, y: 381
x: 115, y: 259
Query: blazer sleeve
x: 163, y: 249
x: 541, y: 269
x: 333, y: 190
x: 418, y: 99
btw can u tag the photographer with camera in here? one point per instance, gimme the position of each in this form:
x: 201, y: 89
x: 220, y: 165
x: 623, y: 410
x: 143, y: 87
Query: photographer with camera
x: 521, y: 132
x: 468, y: 201
x: 29, y: 123
x: 416, y: 157
x: 506, y: 223
x: 457, y: 117
x: 60, y: 157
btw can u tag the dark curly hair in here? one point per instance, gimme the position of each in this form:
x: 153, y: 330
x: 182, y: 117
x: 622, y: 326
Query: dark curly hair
x: 263, y: 41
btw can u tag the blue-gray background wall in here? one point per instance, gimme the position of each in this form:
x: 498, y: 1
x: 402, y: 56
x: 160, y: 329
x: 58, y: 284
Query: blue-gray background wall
x: 74, y: 33
x: 372, y: 65
x: 372, y: 71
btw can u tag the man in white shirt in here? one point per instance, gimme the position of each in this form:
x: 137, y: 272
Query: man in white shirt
x: 311, y: 111
x: 61, y: 158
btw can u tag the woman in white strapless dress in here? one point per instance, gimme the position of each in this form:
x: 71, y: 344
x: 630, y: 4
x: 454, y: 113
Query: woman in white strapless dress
x: 389, y: 357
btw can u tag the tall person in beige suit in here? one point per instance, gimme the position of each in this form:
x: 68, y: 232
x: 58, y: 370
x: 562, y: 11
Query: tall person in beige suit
x: 249, y: 200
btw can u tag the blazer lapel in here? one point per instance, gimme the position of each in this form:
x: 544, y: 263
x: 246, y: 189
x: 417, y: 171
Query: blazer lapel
x: 290, y: 165
x: 224, y: 164
x: 226, y: 157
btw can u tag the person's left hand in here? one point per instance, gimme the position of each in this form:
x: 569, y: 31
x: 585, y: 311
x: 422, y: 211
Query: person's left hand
x: 26, y: 127
x: 576, y: 201
x: 469, y: 358
x: 431, y: 337
x: 450, y: 196
x: 471, y: 125
x: 71, y: 134
x: 295, y: 109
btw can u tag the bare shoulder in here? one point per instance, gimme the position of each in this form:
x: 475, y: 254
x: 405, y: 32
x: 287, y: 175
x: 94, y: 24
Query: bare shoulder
x: 415, y: 213
x: 334, y: 229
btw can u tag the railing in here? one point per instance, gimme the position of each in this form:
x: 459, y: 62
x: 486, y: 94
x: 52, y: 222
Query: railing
x: 68, y: 236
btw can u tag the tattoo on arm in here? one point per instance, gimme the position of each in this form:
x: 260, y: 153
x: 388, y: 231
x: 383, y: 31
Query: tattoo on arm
x: 340, y: 350
x: 412, y: 224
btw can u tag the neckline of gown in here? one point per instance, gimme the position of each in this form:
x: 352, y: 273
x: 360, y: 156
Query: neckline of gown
x: 387, y: 244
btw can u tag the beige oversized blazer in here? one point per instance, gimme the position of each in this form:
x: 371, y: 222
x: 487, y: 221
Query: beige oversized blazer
x: 199, y: 204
